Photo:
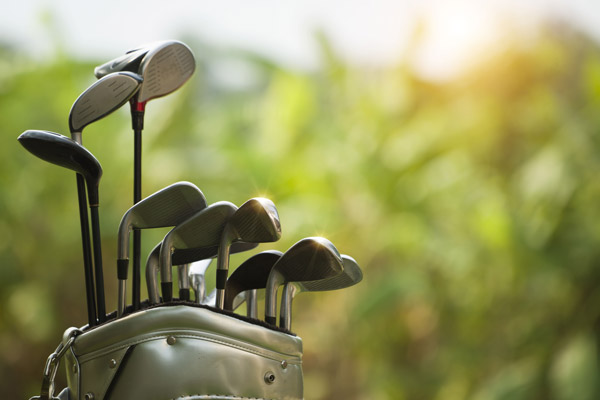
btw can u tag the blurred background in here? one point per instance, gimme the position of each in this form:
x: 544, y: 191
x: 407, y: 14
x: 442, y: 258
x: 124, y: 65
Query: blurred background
x: 452, y: 148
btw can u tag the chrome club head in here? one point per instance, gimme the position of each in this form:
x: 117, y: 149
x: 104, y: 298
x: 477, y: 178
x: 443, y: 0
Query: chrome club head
x: 203, y: 229
x: 167, y: 207
x: 351, y: 275
x: 251, y: 274
x: 309, y: 259
x: 255, y: 221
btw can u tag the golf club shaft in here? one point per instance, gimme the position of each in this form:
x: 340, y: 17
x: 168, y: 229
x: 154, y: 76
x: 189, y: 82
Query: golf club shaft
x: 252, y: 303
x: 285, y: 310
x: 184, y: 281
x: 137, y: 118
x: 96, y: 242
x: 87, y: 253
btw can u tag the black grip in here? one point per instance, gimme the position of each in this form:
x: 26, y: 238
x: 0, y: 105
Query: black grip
x: 271, y: 320
x: 221, y: 278
x: 167, y: 291
x: 184, y: 294
x: 122, y: 267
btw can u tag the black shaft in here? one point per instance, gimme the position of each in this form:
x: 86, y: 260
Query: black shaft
x: 137, y: 234
x: 137, y: 123
x: 137, y: 245
x: 96, y: 241
x: 87, y: 252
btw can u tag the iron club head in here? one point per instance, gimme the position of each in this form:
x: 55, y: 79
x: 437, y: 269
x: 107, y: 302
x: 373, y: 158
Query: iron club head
x: 351, y: 275
x: 167, y: 207
x: 256, y: 221
x: 251, y: 274
x: 309, y: 259
x: 203, y: 229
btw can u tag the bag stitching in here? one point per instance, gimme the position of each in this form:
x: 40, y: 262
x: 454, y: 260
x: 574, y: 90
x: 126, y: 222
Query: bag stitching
x: 162, y: 335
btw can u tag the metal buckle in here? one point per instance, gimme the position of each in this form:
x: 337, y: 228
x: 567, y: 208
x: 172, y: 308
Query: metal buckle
x: 51, y: 368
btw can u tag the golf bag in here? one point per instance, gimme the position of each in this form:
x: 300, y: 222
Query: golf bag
x: 180, y: 352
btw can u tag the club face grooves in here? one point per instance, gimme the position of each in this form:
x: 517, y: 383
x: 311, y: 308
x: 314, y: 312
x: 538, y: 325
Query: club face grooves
x: 310, y: 259
x: 257, y: 220
x: 102, y: 98
x: 165, y: 69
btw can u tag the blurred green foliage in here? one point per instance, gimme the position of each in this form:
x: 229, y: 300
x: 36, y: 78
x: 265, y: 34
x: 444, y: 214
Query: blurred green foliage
x: 470, y: 204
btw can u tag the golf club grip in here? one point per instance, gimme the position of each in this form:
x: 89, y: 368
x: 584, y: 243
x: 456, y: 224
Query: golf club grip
x: 220, y: 285
x: 184, y: 294
x: 167, y: 291
x: 98, y: 268
x: 87, y: 252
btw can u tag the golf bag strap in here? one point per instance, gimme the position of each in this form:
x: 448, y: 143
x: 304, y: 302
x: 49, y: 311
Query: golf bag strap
x: 51, y: 368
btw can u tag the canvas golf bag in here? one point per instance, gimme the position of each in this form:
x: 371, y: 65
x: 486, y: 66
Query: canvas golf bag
x: 179, y: 351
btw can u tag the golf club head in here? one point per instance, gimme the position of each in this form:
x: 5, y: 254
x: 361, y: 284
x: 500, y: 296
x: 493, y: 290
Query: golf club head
x: 167, y: 207
x: 67, y: 153
x: 251, y: 274
x: 165, y: 68
x: 129, y: 61
x: 256, y: 220
x: 351, y: 275
x: 203, y: 229
x: 102, y: 98
x: 308, y: 259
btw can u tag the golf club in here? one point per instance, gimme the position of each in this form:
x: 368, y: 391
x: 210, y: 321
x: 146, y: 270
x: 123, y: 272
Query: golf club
x: 167, y: 207
x: 130, y: 61
x: 204, y: 229
x: 351, y: 275
x: 165, y: 66
x: 256, y: 221
x: 308, y: 259
x: 62, y: 151
x: 97, y: 101
x: 252, y: 274
x: 185, y: 256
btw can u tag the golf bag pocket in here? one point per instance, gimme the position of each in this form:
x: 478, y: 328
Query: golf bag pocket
x: 183, y: 352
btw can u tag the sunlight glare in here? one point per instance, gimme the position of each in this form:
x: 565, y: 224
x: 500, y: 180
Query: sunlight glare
x: 456, y: 35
